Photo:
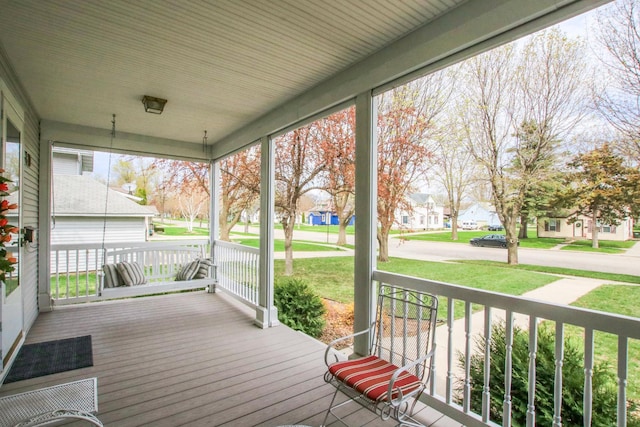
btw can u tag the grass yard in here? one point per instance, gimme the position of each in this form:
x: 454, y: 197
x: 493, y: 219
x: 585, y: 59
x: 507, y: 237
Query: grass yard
x: 298, y: 245
x: 613, y: 277
x: 171, y: 230
x: 605, y: 246
x: 332, y: 278
x: 617, y: 299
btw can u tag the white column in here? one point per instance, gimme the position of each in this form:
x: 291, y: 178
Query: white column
x: 214, y: 211
x: 366, y: 217
x: 266, y: 312
x: 44, y: 212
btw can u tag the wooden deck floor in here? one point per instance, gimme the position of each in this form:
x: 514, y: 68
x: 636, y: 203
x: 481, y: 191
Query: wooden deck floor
x: 193, y: 359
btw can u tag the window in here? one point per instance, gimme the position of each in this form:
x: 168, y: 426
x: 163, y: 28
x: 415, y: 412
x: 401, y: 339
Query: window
x: 552, y: 225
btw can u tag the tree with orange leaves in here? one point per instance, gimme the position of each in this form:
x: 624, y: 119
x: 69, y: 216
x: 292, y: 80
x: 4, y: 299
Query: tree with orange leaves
x: 240, y: 187
x: 298, y: 162
x: 406, y: 120
x: 337, y: 145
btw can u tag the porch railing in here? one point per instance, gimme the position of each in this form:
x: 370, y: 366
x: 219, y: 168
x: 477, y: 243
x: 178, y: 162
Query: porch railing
x: 76, y: 268
x: 238, y: 271
x: 455, y: 342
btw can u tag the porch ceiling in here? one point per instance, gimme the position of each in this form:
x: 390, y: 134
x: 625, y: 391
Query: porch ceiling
x: 220, y: 64
x: 227, y: 66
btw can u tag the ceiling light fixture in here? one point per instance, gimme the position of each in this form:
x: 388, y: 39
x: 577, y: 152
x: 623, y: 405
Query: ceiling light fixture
x: 153, y: 105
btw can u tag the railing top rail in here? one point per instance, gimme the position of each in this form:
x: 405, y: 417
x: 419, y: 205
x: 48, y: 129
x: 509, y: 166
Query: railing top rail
x: 597, y: 320
x: 120, y: 245
x: 237, y: 246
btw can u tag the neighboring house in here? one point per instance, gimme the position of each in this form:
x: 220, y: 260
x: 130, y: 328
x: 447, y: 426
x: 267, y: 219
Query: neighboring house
x: 68, y: 161
x: 481, y: 212
x: 85, y: 211
x: 426, y: 214
x: 582, y: 228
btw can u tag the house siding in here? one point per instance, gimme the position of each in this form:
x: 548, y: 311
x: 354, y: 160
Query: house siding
x: 30, y: 198
x: 583, y: 229
x: 77, y: 230
x: 66, y: 164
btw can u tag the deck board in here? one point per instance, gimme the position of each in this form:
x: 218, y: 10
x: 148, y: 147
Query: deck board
x: 191, y: 359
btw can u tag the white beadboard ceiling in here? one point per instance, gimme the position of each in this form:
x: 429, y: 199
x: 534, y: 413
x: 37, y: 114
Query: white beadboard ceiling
x: 220, y: 63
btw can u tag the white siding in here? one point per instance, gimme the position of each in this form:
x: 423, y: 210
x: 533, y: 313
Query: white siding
x: 90, y: 230
x: 66, y: 164
x: 78, y: 230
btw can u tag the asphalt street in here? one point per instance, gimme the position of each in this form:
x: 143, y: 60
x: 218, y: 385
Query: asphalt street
x: 627, y: 263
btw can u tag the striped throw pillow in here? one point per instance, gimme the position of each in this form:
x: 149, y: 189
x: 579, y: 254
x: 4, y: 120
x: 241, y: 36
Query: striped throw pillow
x: 188, y: 270
x: 203, y: 268
x: 132, y: 273
x: 112, y: 278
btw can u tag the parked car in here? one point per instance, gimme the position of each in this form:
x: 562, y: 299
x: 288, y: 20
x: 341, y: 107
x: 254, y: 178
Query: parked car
x: 495, y: 227
x: 491, y: 240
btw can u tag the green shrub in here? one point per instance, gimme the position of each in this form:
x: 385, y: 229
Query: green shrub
x: 604, y: 381
x: 299, y: 307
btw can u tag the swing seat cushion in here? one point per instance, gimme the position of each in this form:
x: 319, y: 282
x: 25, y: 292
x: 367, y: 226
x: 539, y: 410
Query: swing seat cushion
x: 131, y: 273
x: 112, y: 278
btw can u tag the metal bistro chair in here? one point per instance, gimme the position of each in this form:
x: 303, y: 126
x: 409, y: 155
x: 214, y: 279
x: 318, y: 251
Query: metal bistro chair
x: 391, y: 379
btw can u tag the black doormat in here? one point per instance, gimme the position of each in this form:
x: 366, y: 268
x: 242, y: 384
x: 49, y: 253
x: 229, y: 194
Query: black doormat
x: 45, y: 358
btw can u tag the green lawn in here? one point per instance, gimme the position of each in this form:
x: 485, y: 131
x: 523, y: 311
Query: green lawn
x: 605, y: 246
x: 333, y: 277
x: 613, y: 277
x: 170, y: 230
x: 298, y: 245
x: 617, y: 299
x: 465, y: 236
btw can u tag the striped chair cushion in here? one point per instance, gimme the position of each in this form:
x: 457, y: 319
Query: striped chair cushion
x: 132, y: 273
x: 188, y: 271
x: 370, y: 376
x: 112, y: 278
x: 203, y: 268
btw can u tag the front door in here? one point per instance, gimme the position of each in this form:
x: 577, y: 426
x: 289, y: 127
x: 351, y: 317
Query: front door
x: 11, y: 295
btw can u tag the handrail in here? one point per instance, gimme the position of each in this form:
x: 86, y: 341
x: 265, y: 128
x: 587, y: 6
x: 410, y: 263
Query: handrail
x: 510, y: 310
x: 238, y: 271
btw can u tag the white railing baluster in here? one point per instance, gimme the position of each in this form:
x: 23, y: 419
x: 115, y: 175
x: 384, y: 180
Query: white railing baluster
x: 533, y: 351
x: 508, y: 370
x: 623, y: 360
x: 466, y: 399
x: 450, y: 350
x: 588, y: 377
x: 486, y: 388
x: 557, y: 390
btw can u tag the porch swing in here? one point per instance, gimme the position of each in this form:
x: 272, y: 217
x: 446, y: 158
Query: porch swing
x: 150, y: 267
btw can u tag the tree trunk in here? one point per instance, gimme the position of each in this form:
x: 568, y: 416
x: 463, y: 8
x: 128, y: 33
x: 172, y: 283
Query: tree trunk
x: 454, y: 227
x: 287, y: 226
x: 224, y: 234
x: 342, y: 234
x: 512, y: 242
x: 594, y: 231
x: 383, y: 244
x: 524, y: 220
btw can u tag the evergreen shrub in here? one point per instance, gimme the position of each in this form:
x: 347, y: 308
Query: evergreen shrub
x: 299, y: 307
x: 604, y: 381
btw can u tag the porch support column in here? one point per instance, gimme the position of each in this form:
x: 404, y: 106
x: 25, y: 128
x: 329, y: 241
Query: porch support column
x: 44, y: 212
x: 214, y: 200
x: 266, y: 312
x: 366, y: 218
